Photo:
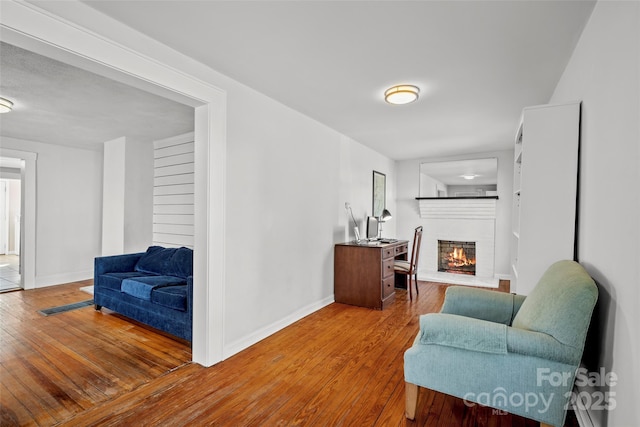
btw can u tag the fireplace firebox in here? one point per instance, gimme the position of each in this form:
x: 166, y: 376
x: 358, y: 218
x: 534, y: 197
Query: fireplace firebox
x: 457, y: 257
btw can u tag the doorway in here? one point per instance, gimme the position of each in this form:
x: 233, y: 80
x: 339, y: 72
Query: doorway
x: 26, y: 26
x: 10, y: 223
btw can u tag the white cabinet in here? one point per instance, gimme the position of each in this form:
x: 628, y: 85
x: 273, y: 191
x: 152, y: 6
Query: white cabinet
x: 544, y: 184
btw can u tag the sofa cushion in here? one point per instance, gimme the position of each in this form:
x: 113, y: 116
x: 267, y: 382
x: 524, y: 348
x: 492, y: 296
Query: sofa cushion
x: 181, y: 263
x: 167, y: 261
x: 174, y: 297
x: 141, y: 287
x: 114, y: 280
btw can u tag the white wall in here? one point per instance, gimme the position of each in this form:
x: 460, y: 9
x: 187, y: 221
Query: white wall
x: 408, y: 180
x: 429, y: 187
x: 127, y: 202
x: 69, y: 194
x: 604, y: 72
x: 138, y: 198
x: 113, y: 191
x: 288, y: 178
x: 14, y: 190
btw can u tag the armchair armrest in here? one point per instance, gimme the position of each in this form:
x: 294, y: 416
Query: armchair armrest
x: 480, y: 304
x: 463, y: 332
x: 116, y: 263
x: 471, y: 334
x: 541, y: 345
x: 518, y: 300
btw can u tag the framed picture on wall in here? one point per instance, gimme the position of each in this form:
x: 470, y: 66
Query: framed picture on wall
x: 379, y: 193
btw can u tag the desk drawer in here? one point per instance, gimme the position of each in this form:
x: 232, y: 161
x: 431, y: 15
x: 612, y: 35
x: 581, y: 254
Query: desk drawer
x: 387, y: 268
x: 388, y: 252
x: 401, y: 249
x: 388, y: 286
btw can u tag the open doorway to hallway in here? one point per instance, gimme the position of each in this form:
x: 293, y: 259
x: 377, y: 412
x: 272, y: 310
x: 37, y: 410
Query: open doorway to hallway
x: 10, y: 218
x: 9, y: 273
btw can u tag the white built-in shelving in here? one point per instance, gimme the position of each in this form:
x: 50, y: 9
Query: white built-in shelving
x: 544, y: 186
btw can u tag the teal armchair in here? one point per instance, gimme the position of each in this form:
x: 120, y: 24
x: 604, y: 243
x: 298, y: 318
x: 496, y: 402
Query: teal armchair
x: 509, y: 352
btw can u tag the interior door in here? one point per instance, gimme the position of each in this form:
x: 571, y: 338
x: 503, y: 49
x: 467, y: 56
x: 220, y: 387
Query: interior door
x: 4, y: 218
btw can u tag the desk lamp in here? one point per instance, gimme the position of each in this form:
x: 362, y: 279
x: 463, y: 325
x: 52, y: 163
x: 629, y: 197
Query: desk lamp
x: 384, y: 217
x: 356, y: 232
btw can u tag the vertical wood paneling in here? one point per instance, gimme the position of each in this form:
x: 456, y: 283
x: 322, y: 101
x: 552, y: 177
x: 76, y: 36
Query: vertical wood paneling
x: 173, y: 191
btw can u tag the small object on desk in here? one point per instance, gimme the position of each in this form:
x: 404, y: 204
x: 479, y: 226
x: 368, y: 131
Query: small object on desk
x: 388, y: 240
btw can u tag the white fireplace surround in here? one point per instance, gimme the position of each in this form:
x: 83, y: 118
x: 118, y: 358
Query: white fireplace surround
x: 467, y: 220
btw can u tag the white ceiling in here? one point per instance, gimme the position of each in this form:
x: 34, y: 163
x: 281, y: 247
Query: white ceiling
x: 60, y: 104
x: 478, y: 63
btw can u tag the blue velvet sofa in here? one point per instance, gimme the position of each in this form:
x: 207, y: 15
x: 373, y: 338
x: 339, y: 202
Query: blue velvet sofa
x: 153, y: 287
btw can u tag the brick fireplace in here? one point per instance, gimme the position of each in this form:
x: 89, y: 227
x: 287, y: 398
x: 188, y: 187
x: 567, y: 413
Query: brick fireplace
x: 470, y: 221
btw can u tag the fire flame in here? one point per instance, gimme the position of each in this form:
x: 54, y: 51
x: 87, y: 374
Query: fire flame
x: 458, y: 258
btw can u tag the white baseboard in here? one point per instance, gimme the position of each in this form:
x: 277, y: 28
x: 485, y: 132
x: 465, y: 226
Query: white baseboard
x: 584, y: 419
x: 459, y: 279
x: 582, y: 413
x: 249, y: 340
x: 59, y: 279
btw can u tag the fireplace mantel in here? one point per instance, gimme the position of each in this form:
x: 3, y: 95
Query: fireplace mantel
x: 457, y: 207
x: 457, y: 198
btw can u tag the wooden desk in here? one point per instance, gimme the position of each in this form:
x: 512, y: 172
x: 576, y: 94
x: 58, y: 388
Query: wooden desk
x: 363, y: 275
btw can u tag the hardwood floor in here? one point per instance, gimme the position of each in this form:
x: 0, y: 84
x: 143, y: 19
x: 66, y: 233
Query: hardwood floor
x: 342, y: 365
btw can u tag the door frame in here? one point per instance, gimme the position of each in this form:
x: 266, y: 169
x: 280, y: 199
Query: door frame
x: 27, y: 215
x: 40, y: 31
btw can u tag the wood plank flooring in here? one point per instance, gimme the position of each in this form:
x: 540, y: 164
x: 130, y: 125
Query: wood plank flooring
x: 340, y: 366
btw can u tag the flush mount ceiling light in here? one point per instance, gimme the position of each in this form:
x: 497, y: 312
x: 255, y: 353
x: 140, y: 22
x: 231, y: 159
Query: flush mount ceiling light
x: 5, y: 105
x: 469, y: 176
x: 401, y: 94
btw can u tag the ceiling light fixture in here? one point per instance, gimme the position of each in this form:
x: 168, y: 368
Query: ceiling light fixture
x: 469, y: 176
x: 5, y: 105
x: 401, y: 94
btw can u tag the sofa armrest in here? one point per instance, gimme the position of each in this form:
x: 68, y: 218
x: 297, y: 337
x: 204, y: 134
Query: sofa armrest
x: 463, y: 332
x: 479, y: 303
x: 190, y: 294
x: 541, y: 345
x: 116, y: 263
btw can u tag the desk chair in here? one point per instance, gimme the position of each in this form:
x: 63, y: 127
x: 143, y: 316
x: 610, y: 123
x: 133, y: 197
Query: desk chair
x: 410, y: 268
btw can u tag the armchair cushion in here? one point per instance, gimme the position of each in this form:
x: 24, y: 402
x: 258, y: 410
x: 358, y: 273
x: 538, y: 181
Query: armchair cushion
x: 560, y: 305
x: 463, y: 332
x: 479, y: 303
